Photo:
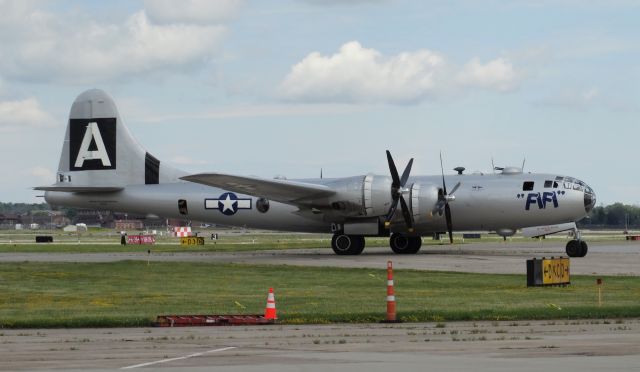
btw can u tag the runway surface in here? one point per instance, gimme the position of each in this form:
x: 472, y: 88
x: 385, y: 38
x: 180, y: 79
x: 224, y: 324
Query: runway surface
x: 610, y: 258
x: 565, y: 345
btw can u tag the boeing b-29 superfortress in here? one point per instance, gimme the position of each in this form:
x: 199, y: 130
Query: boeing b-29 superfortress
x: 103, y: 167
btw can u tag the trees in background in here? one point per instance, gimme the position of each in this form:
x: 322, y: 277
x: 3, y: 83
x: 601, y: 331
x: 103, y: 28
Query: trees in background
x: 612, y: 216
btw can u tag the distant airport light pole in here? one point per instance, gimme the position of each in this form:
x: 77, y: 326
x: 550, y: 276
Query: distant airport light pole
x: 599, y: 283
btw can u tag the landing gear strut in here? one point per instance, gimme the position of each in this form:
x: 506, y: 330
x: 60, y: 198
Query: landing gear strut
x: 577, y: 247
x: 347, y: 244
x: 402, y: 244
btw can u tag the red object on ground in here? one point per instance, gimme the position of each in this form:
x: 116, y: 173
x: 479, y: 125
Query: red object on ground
x: 141, y: 239
x: 210, y: 320
x: 270, y: 310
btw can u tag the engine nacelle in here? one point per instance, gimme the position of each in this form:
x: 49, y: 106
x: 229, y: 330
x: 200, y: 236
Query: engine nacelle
x: 370, y: 196
x: 423, y: 199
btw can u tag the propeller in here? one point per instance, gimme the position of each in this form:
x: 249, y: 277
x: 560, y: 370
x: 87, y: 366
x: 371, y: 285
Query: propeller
x: 397, y: 189
x: 443, y: 202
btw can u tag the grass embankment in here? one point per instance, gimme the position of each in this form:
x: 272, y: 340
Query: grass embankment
x: 132, y: 293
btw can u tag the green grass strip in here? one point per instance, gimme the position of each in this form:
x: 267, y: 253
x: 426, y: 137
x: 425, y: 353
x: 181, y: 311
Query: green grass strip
x: 132, y: 293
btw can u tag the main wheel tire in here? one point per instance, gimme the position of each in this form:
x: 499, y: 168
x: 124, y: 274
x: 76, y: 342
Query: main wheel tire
x: 584, y: 248
x: 574, y: 248
x: 347, y: 244
x: 402, y: 244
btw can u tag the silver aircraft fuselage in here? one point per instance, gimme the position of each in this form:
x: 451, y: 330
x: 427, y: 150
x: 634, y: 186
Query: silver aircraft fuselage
x: 489, y: 202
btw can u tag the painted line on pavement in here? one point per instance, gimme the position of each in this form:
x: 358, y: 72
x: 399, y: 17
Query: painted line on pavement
x: 178, y: 358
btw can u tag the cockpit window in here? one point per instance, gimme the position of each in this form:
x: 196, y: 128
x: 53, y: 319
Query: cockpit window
x: 559, y: 178
x: 548, y: 184
x: 555, y: 185
x: 527, y: 186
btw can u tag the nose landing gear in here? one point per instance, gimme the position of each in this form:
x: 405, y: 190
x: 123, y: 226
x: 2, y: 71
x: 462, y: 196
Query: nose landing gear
x: 577, y: 248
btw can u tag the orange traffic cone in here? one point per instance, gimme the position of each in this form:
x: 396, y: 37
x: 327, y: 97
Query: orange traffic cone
x: 270, y: 310
x: 391, y: 297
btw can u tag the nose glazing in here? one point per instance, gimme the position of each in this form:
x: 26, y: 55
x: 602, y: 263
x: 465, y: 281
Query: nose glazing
x: 589, y: 199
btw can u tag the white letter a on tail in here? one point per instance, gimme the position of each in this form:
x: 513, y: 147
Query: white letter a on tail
x: 92, y: 133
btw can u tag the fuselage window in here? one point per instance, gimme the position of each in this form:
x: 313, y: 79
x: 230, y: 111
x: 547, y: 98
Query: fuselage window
x: 548, y: 184
x: 182, y: 207
x: 527, y: 186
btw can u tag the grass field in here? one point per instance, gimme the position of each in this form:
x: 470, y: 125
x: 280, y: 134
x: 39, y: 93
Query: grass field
x: 132, y: 293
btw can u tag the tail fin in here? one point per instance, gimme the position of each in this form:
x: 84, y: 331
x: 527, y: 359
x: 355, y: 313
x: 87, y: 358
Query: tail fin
x: 99, y: 153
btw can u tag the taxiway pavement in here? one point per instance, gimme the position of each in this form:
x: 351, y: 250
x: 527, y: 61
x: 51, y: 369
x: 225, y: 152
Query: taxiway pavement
x: 604, y: 258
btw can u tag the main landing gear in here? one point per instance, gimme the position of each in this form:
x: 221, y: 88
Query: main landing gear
x: 351, y: 245
x: 402, y: 244
x: 347, y: 244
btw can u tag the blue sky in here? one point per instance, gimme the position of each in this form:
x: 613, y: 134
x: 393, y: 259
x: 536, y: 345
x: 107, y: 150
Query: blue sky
x: 286, y: 87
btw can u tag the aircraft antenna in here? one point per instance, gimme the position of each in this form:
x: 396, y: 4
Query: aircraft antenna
x: 523, y: 161
x: 493, y: 167
x: 320, y: 173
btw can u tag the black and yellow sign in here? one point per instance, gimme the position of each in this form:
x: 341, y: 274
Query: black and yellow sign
x: 555, y: 271
x: 192, y: 240
x: 548, y: 271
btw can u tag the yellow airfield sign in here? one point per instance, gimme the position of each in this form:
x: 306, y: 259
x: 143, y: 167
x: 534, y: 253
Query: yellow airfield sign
x: 555, y: 271
x: 192, y: 240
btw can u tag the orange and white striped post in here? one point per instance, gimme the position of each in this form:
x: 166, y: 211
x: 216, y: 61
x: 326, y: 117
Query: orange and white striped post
x: 270, y: 310
x: 391, y: 297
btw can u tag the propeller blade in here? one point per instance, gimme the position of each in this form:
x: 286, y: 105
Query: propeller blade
x: 444, y: 185
x: 394, y: 171
x: 405, y: 174
x: 392, y: 211
x: 454, y: 188
x: 408, y: 219
x: 447, y: 213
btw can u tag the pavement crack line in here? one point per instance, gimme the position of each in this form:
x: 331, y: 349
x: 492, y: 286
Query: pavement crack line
x: 179, y: 358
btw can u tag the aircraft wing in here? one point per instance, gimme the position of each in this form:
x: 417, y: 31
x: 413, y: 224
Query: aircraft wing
x: 278, y: 190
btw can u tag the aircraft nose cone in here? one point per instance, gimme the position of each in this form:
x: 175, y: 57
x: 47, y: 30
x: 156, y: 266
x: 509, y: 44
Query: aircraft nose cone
x: 589, y: 199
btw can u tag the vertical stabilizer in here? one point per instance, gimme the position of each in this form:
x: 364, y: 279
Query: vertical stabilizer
x: 99, y: 151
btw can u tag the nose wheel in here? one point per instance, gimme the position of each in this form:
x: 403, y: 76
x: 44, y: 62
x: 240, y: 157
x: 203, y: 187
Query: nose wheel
x: 402, y: 244
x: 347, y: 245
x: 577, y: 248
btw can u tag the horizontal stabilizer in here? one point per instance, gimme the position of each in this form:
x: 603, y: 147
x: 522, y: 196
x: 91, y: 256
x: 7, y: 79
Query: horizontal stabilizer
x: 85, y: 189
x: 278, y: 190
x: 536, y: 231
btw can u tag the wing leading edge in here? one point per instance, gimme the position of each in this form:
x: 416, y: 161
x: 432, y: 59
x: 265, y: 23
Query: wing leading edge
x: 284, y: 191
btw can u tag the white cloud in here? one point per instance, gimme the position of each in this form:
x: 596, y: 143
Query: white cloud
x: 192, y: 11
x: 42, y: 173
x: 44, y: 47
x: 15, y: 115
x: 497, y: 74
x: 358, y: 74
